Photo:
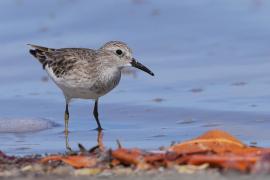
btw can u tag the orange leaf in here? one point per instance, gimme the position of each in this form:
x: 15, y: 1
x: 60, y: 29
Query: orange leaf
x: 77, y: 161
x: 212, y: 141
x: 242, y: 163
x: 131, y: 157
x: 127, y: 157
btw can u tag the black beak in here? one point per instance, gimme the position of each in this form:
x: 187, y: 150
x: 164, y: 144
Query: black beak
x: 138, y: 65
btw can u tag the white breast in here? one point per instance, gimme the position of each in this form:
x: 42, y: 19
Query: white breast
x: 85, y: 88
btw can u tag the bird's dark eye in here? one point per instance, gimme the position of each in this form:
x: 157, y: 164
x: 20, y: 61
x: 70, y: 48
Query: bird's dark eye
x: 119, y: 52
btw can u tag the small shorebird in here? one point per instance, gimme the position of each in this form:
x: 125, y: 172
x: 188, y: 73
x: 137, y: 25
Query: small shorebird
x: 86, y: 73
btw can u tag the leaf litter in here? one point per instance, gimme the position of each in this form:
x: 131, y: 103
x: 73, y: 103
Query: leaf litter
x: 214, y: 149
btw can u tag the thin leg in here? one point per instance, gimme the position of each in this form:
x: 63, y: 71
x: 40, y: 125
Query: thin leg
x: 66, y: 128
x: 66, y: 119
x: 95, y: 112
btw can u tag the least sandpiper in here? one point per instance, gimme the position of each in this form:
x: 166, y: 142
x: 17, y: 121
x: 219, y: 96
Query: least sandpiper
x: 86, y: 73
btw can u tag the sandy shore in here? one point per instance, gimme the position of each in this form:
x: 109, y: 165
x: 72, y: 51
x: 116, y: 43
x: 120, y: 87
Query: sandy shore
x: 157, y: 176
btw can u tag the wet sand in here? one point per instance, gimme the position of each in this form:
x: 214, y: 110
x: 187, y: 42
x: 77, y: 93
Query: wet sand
x: 141, y: 176
x: 138, y: 126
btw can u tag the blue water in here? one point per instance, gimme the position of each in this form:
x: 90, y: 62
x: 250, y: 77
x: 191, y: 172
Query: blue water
x: 211, y: 60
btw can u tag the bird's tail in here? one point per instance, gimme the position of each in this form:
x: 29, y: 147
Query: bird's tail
x: 41, y: 53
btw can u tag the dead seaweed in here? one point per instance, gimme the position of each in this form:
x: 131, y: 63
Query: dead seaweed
x: 214, y: 149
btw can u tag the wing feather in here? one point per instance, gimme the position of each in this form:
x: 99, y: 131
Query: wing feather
x: 61, y: 61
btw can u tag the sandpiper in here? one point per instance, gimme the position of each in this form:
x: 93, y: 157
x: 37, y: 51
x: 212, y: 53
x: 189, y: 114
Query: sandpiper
x: 86, y: 73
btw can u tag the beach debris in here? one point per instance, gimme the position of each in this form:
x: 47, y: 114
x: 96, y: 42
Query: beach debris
x: 8, y: 163
x: 77, y: 161
x: 214, y: 149
x: 212, y: 141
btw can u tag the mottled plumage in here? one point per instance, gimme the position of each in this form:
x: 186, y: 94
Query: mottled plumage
x: 86, y: 73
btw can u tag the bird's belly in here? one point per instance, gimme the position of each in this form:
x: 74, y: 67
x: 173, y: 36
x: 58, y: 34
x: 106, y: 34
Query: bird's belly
x: 85, y: 88
x: 80, y: 92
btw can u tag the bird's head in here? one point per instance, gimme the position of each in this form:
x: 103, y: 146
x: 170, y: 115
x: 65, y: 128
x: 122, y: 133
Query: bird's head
x: 123, y: 55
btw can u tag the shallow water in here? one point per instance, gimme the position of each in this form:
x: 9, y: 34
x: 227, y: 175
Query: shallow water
x: 210, y: 58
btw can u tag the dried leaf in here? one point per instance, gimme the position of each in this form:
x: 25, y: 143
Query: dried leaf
x: 212, y: 141
x: 241, y: 163
x: 130, y: 157
x: 76, y: 161
x: 214, y: 148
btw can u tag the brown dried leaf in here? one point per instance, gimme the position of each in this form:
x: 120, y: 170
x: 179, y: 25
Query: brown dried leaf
x: 76, y: 161
x: 212, y: 141
x: 241, y: 163
x: 130, y: 157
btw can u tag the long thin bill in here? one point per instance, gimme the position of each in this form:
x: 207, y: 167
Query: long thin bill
x: 138, y: 65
